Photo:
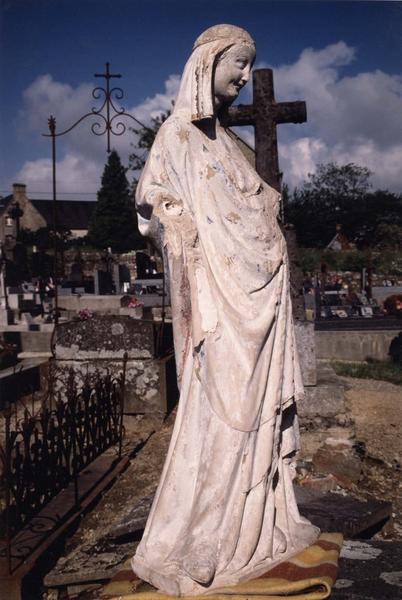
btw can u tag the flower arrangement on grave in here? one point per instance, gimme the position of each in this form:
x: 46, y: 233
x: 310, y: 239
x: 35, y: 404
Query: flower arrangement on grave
x: 134, y: 303
x: 128, y: 301
x: 84, y: 314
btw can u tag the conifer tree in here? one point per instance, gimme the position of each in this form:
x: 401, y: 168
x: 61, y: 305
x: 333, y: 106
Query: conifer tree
x: 114, y: 220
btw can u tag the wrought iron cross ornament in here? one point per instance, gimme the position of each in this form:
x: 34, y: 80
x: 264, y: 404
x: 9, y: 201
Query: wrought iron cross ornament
x: 109, y: 124
x: 109, y: 101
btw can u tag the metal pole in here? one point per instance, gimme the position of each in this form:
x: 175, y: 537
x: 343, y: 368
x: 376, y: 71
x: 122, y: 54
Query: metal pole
x: 8, y: 490
x: 108, y: 125
x: 122, y: 399
x: 52, y: 128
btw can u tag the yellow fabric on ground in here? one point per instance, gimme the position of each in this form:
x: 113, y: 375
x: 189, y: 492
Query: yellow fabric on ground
x: 309, y: 575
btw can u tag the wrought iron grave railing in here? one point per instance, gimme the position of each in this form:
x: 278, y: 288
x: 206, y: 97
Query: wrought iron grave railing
x: 43, y: 450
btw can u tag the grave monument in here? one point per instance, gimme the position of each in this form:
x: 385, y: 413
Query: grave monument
x: 225, y: 510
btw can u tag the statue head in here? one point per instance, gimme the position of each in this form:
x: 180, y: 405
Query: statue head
x: 231, y: 73
x: 217, y: 69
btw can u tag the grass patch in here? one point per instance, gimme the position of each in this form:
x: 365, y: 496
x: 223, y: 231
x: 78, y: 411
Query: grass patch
x: 384, y: 371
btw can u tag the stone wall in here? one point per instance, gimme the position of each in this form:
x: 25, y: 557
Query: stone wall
x: 354, y: 345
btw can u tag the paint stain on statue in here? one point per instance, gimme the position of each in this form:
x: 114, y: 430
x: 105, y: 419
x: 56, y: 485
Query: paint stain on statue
x: 261, y: 233
x: 210, y: 172
x: 209, y: 220
x: 233, y: 217
x: 183, y: 135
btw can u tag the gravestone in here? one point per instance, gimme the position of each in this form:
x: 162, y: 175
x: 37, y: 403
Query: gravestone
x: 13, y: 299
x: 6, y: 315
x: 76, y: 275
x: 103, y: 283
x: 124, y: 276
x: 116, y: 279
x: 143, y: 264
x: 98, y: 345
x: 27, y: 320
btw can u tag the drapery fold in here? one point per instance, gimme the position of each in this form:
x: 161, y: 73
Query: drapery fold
x: 226, y: 490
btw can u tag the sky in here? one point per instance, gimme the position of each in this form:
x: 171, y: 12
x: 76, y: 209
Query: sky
x: 342, y: 58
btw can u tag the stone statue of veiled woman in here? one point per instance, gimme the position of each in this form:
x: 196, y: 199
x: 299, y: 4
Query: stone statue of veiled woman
x: 225, y: 509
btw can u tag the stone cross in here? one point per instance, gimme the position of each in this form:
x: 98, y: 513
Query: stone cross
x: 265, y: 114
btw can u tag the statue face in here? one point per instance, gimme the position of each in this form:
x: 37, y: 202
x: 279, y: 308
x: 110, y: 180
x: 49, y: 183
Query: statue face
x: 231, y: 73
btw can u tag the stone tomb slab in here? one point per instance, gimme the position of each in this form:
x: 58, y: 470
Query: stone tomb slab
x: 369, y: 570
x: 105, y: 336
x: 98, y: 345
x: 337, y: 512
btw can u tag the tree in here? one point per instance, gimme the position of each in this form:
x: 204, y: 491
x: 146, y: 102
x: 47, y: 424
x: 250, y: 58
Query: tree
x: 114, y: 220
x: 382, y: 226
x: 146, y: 136
x: 340, y: 194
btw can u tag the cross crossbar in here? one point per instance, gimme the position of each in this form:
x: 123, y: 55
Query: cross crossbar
x: 264, y: 115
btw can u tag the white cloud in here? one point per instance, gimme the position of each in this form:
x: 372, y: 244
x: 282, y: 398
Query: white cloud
x: 350, y: 119
x: 160, y: 103
x: 300, y: 157
x: 83, y: 154
x: 45, y: 97
x: 74, y: 173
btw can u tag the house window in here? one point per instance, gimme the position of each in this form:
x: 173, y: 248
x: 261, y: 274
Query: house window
x: 9, y: 221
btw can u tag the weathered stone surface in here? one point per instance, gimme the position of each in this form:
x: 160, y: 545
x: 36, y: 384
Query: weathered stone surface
x: 150, y: 384
x: 322, y: 401
x: 105, y: 336
x: 305, y: 341
x: 369, y: 570
x: 134, y: 521
x: 103, y: 304
x: 327, y: 398
x: 340, y: 460
x: 353, y: 345
x: 321, y: 483
x: 314, y: 439
x: 97, y: 346
x: 340, y: 513
x: 36, y: 341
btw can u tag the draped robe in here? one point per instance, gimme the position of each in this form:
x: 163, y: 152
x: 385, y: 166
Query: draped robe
x: 226, y: 488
